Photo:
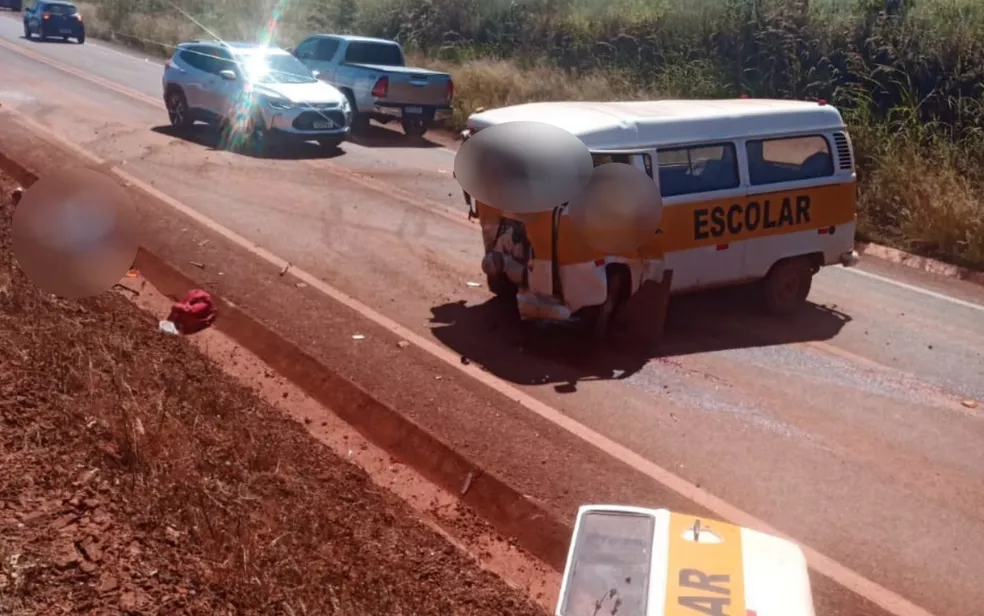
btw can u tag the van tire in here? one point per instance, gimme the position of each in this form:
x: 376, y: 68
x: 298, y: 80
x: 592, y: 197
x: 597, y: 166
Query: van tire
x: 787, y: 285
x: 501, y: 286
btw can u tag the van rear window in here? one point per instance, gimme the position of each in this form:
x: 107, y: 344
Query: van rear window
x: 791, y: 159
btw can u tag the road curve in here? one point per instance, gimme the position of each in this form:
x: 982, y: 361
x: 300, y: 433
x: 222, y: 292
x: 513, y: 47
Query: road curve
x: 850, y: 428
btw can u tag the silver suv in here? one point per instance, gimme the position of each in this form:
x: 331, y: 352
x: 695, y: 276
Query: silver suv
x: 258, y: 95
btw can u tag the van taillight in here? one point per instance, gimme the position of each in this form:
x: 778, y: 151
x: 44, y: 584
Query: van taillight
x: 381, y: 88
x: 450, y: 90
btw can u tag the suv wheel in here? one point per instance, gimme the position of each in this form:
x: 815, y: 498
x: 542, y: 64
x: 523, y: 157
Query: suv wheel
x: 258, y: 136
x: 27, y: 31
x: 177, y: 110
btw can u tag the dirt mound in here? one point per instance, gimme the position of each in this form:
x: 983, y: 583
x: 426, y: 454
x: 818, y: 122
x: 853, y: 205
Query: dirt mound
x: 136, y: 477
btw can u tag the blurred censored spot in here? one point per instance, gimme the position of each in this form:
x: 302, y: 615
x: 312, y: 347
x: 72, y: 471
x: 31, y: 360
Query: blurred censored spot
x: 619, y: 210
x: 523, y: 167
x: 74, y: 233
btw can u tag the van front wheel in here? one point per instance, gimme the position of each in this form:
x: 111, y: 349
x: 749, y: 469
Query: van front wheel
x: 787, y: 286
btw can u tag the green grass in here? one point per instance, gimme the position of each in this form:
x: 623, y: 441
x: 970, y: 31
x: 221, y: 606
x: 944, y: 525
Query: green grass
x: 907, y: 74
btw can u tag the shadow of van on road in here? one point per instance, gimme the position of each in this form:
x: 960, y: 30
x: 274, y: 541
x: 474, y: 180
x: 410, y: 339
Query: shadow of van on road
x: 491, y: 335
x: 210, y: 137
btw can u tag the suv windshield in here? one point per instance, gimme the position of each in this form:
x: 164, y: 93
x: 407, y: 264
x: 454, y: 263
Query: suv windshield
x: 275, y: 68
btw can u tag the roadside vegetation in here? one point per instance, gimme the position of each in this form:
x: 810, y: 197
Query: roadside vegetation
x: 906, y: 73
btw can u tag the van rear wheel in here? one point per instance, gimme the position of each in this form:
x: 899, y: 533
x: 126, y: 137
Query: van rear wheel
x: 787, y: 286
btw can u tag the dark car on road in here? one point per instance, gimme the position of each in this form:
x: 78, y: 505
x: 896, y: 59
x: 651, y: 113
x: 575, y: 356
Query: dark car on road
x: 47, y: 19
x: 13, y: 5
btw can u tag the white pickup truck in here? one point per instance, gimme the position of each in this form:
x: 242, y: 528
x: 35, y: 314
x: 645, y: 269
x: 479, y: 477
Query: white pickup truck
x: 373, y: 74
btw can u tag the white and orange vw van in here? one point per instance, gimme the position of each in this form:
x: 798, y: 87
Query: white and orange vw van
x: 752, y: 190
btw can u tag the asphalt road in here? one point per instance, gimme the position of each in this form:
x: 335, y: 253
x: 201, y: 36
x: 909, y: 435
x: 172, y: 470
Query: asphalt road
x: 846, y: 428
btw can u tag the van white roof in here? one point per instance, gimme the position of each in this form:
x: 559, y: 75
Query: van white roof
x: 644, y: 124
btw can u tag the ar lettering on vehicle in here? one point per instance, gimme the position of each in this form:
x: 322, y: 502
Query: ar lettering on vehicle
x: 707, y: 593
x: 751, y: 216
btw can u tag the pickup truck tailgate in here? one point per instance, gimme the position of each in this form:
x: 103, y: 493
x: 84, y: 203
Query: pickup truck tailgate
x: 414, y: 86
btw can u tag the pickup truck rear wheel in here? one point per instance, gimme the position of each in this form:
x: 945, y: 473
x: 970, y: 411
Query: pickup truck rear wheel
x: 415, y: 127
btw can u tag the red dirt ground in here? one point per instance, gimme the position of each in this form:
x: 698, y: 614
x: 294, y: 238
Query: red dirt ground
x: 138, y: 478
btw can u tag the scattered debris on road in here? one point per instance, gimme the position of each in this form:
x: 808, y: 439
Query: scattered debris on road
x: 197, y: 264
x: 403, y: 344
x: 358, y: 337
x: 971, y: 404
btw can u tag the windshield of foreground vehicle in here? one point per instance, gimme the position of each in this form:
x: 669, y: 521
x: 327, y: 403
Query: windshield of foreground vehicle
x: 275, y: 68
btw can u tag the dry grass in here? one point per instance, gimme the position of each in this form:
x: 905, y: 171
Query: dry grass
x: 925, y: 207
x: 135, y: 474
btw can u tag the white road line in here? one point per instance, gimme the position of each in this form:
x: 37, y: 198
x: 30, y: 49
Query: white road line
x: 848, y: 578
x: 915, y: 289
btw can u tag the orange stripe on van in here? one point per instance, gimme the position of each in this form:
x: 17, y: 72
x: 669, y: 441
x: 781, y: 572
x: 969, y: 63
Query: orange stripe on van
x: 705, y: 223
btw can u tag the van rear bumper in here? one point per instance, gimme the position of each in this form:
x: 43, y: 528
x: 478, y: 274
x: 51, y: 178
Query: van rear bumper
x: 533, y: 306
x: 850, y: 259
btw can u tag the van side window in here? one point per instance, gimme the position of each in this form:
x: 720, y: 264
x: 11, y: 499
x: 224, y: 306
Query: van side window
x: 789, y: 159
x: 697, y: 169
x: 627, y: 159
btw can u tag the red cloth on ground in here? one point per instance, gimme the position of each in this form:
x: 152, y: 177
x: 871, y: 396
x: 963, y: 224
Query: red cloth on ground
x: 193, y: 312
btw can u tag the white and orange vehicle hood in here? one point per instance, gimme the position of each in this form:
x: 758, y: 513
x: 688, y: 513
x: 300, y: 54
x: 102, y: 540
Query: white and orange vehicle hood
x: 632, y: 561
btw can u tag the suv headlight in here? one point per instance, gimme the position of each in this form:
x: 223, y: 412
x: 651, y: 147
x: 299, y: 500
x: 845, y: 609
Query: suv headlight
x: 274, y: 102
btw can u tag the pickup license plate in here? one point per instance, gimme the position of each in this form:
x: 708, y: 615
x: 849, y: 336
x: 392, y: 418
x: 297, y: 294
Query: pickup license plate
x: 321, y: 125
x: 413, y: 110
